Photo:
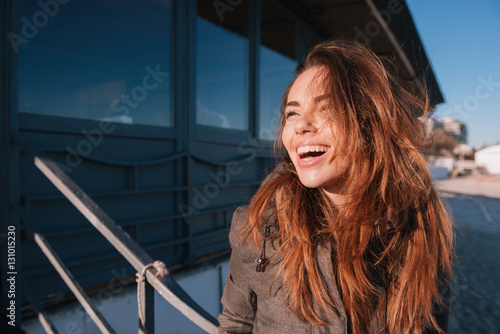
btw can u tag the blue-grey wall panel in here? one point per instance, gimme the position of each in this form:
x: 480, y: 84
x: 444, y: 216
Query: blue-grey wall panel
x: 208, y: 245
x: 158, y: 176
x: 140, y: 206
x: 135, y: 183
x: 207, y: 223
x: 157, y: 232
x: 57, y: 216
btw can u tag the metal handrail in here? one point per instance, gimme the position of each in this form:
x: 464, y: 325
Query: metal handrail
x: 42, y: 315
x: 66, y: 275
x: 167, y: 287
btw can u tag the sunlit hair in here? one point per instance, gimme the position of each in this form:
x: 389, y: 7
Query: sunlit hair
x: 392, y: 237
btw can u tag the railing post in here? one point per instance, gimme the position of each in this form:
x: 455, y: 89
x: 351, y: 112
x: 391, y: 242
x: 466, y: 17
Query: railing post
x: 47, y: 324
x: 147, y: 308
x: 166, y: 286
x: 77, y: 290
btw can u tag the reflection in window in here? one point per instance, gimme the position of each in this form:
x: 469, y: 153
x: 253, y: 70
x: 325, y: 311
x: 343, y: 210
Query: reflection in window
x: 278, y: 60
x: 222, y: 66
x: 98, y: 59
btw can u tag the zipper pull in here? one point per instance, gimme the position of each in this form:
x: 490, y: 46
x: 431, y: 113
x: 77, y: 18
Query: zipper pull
x: 261, y: 264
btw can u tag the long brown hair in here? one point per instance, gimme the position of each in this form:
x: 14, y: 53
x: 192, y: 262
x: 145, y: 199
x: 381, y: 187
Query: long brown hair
x: 392, y: 237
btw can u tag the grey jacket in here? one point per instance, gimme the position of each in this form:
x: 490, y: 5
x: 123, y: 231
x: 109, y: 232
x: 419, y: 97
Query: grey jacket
x: 250, y: 306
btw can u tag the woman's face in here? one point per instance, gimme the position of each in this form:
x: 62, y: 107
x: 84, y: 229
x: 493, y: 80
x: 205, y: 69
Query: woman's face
x: 308, y: 135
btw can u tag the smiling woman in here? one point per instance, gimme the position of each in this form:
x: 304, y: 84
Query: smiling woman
x: 349, y: 235
x: 308, y: 135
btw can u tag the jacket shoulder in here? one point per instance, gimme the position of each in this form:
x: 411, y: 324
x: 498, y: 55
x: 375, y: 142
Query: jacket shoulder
x: 240, y: 219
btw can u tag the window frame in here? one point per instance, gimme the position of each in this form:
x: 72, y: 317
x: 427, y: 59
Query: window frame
x: 71, y: 125
x: 211, y: 134
x: 183, y: 81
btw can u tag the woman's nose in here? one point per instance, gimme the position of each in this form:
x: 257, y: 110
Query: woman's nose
x: 306, y: 123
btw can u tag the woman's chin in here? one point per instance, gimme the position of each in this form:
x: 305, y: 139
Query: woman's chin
x: 310, y: 182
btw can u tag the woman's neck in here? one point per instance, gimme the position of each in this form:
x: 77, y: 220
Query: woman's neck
x: 335, y: 196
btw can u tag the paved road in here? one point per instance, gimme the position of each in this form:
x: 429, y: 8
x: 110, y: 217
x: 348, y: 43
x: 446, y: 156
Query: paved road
x: 476, y: 287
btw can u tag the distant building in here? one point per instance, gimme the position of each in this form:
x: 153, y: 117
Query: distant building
x: 463, y: 150
x: 489, y: 158
x: 453, y: 127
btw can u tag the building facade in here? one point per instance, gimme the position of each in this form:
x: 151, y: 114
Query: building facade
x: 164, y: 112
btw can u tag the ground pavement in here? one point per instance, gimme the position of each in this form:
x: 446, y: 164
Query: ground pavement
x: 475, y: 206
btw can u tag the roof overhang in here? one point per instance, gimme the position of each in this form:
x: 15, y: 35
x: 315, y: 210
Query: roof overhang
x: 384, y: 25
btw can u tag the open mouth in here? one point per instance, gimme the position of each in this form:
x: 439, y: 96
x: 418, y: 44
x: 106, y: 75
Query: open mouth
x: 307, y: 153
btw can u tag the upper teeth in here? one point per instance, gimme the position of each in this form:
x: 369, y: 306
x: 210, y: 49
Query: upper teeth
x: 306, y: 149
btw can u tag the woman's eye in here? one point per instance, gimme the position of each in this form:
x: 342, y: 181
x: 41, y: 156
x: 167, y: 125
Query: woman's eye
x: 290, y: 114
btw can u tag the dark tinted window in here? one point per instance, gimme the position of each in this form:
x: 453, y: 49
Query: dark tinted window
x: 278, y: 59
x: 222, y: 64
x: 96, y: 59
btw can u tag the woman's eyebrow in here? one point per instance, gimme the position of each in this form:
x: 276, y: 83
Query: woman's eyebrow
x: 317, y: 99
x: 320, y: 98
x: 293, y: 104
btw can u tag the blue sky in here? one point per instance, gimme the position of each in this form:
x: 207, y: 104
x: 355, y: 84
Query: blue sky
x: 462, y: 42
